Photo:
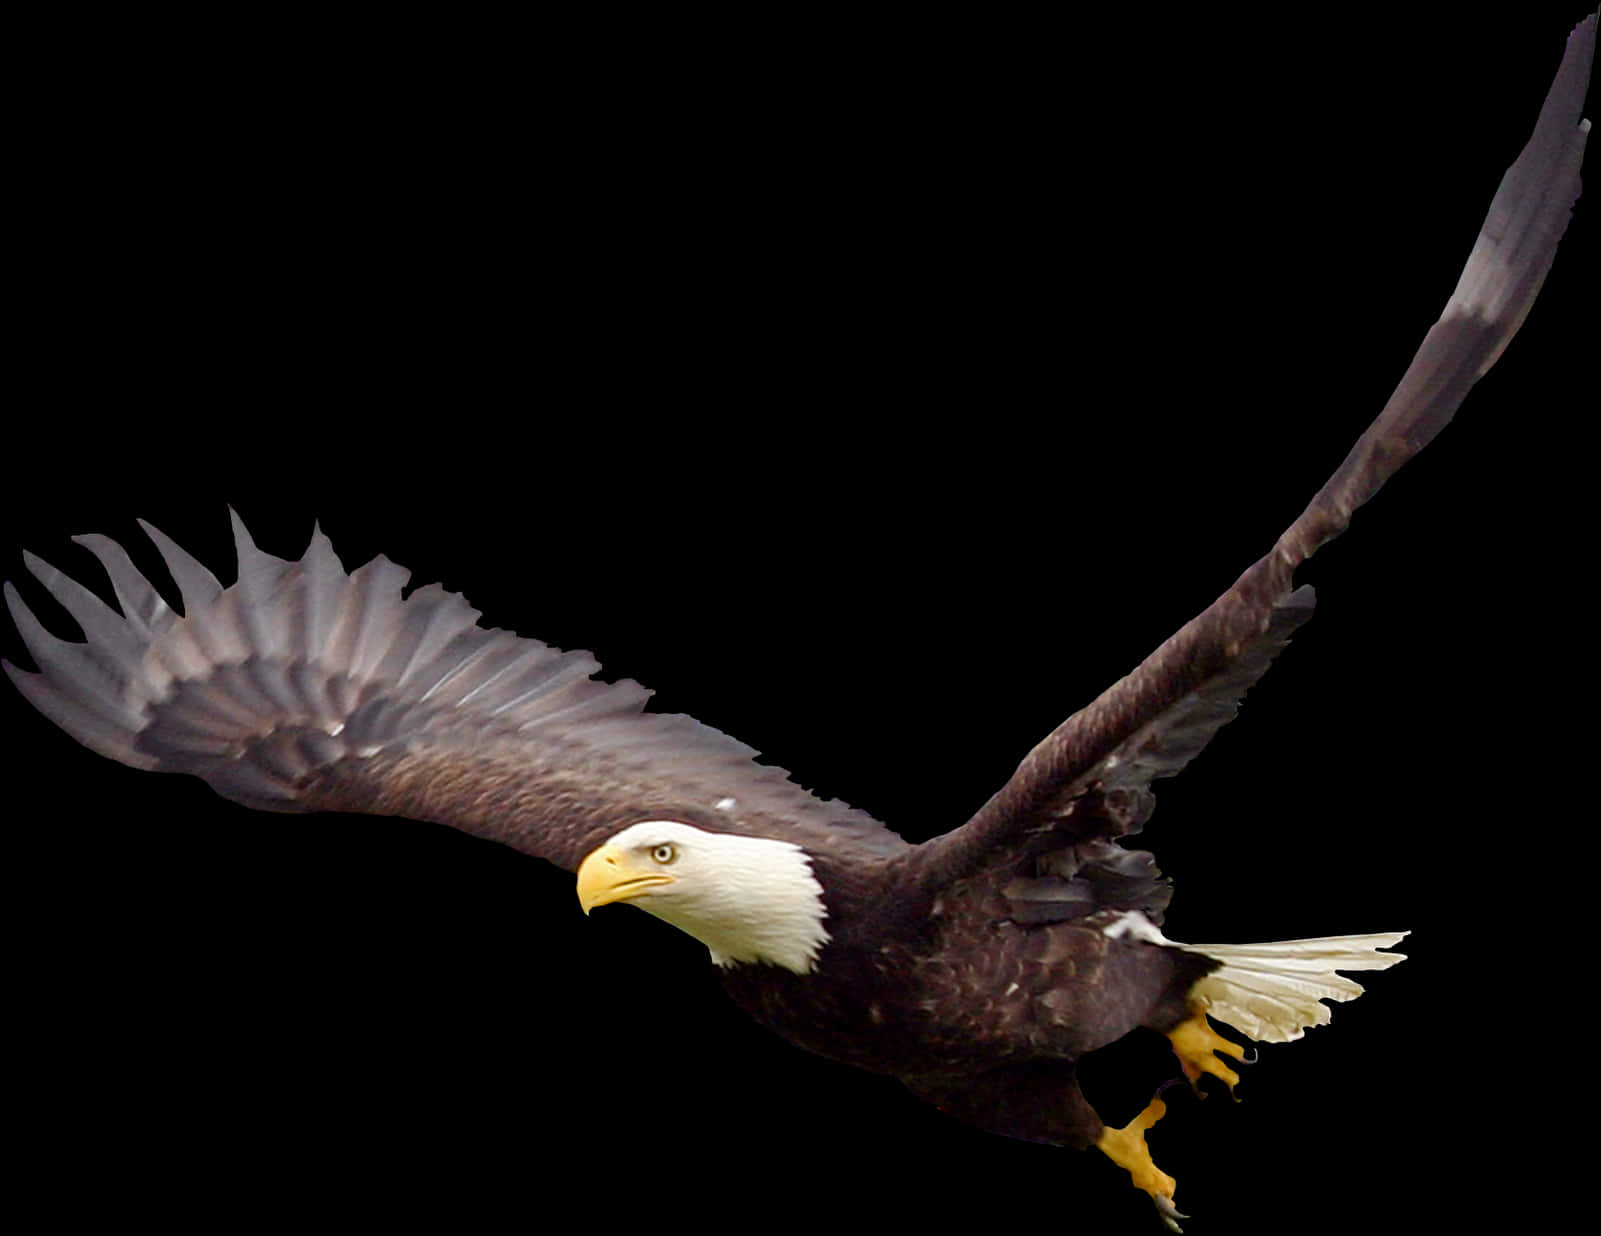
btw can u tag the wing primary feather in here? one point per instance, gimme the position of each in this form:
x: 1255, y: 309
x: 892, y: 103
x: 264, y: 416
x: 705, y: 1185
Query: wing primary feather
x: 141, y: 605
x: 324, y: 580
x: 198, y: 586
x: 265, y: 618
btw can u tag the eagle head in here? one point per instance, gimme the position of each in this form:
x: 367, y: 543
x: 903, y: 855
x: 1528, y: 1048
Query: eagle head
x: 747, y: 899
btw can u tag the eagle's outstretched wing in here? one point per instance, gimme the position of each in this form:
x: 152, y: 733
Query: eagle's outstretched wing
x: 301, y: 687
x: 1090, y: 777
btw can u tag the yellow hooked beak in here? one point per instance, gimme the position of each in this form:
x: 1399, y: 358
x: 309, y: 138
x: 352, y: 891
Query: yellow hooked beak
x: 612, y: 874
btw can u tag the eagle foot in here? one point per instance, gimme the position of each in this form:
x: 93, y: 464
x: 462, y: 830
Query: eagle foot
x: 1196, y: 1044
x: 1126, y: 1147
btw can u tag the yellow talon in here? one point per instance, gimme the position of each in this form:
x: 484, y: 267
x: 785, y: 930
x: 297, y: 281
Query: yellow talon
x: 1196, y: 1045
x: 1126, y: 1147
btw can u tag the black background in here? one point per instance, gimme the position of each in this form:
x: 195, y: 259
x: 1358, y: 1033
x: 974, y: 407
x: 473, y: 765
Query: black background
x: 876, y: 395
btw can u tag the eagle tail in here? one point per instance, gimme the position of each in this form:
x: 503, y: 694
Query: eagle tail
x: 1272, y: 992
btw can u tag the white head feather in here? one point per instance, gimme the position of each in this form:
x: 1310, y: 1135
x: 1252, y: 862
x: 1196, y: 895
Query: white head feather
x: 747, y: 899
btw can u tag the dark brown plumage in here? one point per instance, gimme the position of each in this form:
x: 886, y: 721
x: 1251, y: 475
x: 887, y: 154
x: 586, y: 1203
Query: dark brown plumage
x: 1106, y: 810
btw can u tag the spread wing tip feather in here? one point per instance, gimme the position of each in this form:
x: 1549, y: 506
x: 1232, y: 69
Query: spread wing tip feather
x: 1527, y: 216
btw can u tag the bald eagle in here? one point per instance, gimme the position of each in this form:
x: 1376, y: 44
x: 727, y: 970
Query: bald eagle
x: 979, y: 967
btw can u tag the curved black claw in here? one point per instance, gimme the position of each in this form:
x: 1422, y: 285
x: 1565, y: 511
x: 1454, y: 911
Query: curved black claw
x: 1246, y: 1056
x: 1170, y: 1213
x: 1176, y: 1080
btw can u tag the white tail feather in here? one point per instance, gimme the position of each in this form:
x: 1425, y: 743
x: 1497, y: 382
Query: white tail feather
x: 1273, y: 992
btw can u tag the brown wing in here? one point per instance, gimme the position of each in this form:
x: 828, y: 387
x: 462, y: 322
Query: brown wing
x: 1089, y: 778
x: 302, y: 687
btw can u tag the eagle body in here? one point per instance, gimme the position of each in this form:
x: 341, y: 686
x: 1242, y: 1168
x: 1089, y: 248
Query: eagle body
x: 986, y: 966
x: 911, y: 1004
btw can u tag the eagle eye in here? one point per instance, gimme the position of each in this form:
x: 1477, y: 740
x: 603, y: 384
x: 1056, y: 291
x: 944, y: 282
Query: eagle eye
x: 664, y: 853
